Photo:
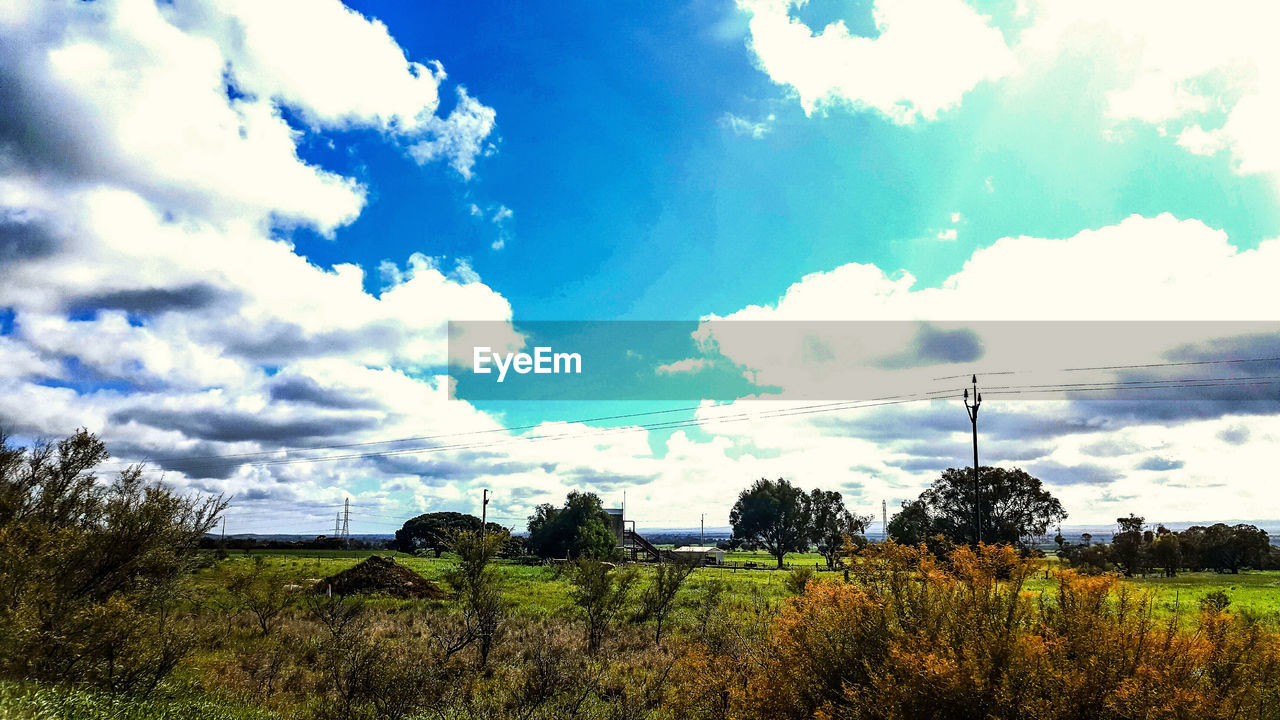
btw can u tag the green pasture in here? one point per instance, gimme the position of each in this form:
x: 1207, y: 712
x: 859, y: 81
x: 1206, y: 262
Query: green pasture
x: 544, y: 591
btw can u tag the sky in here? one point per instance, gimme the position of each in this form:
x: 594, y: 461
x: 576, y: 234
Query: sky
x: 233, y: 234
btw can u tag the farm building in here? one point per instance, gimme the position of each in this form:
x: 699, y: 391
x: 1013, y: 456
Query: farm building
x: 709, y: 555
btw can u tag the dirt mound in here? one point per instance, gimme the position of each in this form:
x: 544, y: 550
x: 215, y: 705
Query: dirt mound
x: 381, y: 575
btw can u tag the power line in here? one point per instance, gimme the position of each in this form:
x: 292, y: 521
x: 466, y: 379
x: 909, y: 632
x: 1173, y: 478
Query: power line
x: 1137, y: 366
x: 217, y: 461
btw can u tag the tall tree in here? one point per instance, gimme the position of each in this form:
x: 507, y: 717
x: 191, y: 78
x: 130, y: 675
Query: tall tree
x: 435, y: 531
x: 1014, y: 505
x: 775, y: 514
x: 912, y: 524
x: 580, y: 528
x: 1128, y: 548
x: 831, y: 523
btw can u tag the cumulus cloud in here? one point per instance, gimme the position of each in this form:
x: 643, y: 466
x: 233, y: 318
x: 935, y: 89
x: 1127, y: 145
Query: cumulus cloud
x: 1210, y: 79
x: 149, y: 287
x: 924, y: 59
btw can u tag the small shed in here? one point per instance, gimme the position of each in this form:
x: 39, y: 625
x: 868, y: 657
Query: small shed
x: 708, y: 555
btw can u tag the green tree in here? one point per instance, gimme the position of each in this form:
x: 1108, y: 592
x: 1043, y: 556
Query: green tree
x: 1166, y: 551
x: 1225, y: 548
x: 580, y: 528
x: 912, y: 525
x: 601, y: 593
x: 658, y: 600
x: 775, y: 514
x: 92, y: 572
x: 435, y: 531
x: 1014, y: 505
x: 831, y: 523
x: 477, y: 586
x: 262, y: 590
x: 1128, y: 548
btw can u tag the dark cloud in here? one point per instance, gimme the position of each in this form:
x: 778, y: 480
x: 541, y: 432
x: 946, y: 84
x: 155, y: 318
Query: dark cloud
x: 305, y: 390
x: 593, y: 480
x: 1053, y: 472
x: 1160, y: 463
x: 150, y: 301
x: 1234, y: 435
x: 458, y: 465
x: 1111, y: 447
x: 34, y: 130
x: 1244, y: 346
x: 25, y: 241
x: 932, y: 345
x: 1017, y: 452
x: 282, y: 341
x: 231, y: 426
x: 923, y: 464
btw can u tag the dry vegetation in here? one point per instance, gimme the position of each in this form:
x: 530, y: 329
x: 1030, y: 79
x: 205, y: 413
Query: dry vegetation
x: 108, y: 611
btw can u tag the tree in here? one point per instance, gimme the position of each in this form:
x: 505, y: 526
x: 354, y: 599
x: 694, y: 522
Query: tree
x: 477, y: 586
x: 1166, y: 551
x: 261, y: 590
x: 1225, y: 548
x: 601, y: 592
x: 435, y: 531
x: 774, y: 514
x: 832, y: 523
x: 1127, y: 547
x: 1015, y: 506
x: 912, y: 525
x: 93, y: 572
x: 579, y: 529
x: 658, y: 599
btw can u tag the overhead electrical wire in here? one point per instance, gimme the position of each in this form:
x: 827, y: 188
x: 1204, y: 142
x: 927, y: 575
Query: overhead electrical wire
x: 217, y: 461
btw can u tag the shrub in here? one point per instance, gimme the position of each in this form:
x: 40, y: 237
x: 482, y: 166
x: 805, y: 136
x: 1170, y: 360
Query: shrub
x: 798, y: 578
x: 91, y: 573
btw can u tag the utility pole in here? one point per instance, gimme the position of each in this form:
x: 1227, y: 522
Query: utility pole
x: 884, y: 519
x: 703, y: 534
x: 977, y: 492
x: 224, y: 530
x: 484, y: 514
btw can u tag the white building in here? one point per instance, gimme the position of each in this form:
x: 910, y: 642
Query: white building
x: 709, y: 555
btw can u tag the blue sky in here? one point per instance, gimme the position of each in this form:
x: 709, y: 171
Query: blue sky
x: 628, y: 187
x: 240, y: 229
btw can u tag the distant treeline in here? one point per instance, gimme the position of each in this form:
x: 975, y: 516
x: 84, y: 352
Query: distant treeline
x: 1137, y: 549
x: 320, y: 542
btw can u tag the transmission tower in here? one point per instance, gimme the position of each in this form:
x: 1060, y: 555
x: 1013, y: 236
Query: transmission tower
x: 346, y: 522
x: 337, y: 524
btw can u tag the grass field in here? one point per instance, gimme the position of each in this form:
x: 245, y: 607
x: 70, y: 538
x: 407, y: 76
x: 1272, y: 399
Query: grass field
x: 536, y: 594
x: 542, y: 591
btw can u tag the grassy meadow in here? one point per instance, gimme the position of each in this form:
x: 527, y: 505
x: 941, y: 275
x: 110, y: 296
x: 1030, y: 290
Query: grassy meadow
x: 540, y: 591
x: 241, y: 674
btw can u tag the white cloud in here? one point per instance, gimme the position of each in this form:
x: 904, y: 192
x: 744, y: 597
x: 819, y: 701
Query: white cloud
x: 744, y: 127
x: 461, y: 137
x: 927, y: 56
x: 144, y: 218
x: 1209, y: 76
x: 1156, y: 269
x: 688, y: 365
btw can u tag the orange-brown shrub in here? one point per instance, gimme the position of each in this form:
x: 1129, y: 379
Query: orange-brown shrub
x: 914, y: 637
